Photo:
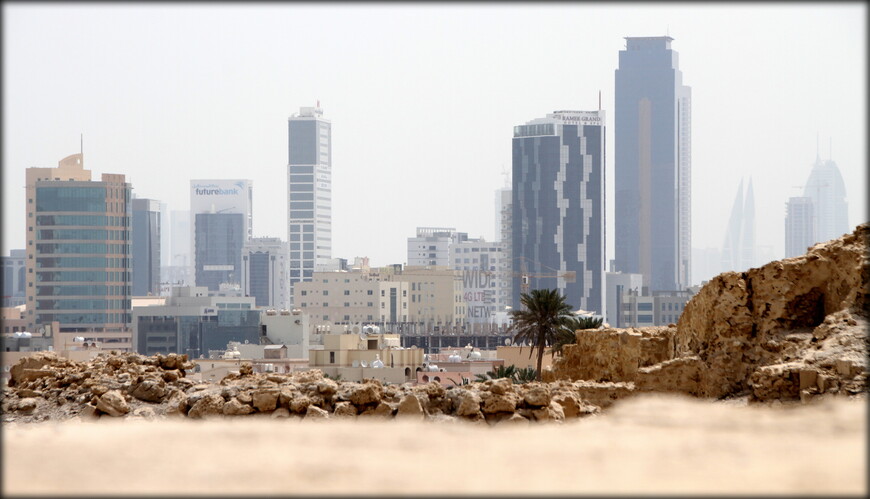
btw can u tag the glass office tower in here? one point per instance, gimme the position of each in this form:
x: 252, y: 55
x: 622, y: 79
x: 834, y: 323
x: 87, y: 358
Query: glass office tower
x: 78, y: 248
x: 146, y: 247
x: 653, y: 165
x: 558, y: 208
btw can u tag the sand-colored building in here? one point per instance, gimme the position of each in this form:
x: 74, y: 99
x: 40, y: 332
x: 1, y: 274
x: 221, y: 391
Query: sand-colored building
x: 355, y: 356
x: 78, y: 251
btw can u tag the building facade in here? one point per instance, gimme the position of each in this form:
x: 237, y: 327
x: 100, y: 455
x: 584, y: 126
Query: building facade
x: 14, y: 278
x: 264, y: 272
x: 192, y: 322
x: 221, y: 214
x: 146, y: 248
x: 309, y: 193
x: 351, y: 298
x: 431, y: 246
x: 800, y: 229
x: 78, y: 249
x: 653, y: 165
x: 659, y: 309
x: 486, y: 274
x: 558, y: 208
x: 619, y: 284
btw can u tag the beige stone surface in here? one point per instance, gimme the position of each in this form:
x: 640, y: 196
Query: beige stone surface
x: 648, y: 444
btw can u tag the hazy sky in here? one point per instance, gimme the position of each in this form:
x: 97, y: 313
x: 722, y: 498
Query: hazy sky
x: 423, y: 99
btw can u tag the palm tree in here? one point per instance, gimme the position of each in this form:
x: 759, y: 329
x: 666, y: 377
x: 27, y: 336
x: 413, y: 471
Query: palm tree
x: 525, y: 375
x: 499, y: 372
x: 543, y: 315
x: 567, y: 335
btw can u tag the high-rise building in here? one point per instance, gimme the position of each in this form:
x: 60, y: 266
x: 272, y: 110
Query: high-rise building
x: 504, y: 226
x: 485, y: 273
x: 431, y: 246
x: 78, y: 249
x: 826, y: 188
x: 221, y: 220
x: 146, y: 247
x: 800, y: 231
x: 309, y: 193
x: 738, y: 250
x: 264, y: 271
x: 558, y: 208
x: 14, y: 278
x: 653, y: 164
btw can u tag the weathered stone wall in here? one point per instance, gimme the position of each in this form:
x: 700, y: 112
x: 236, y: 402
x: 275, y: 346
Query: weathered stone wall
x: 758, y: 332
x: 614, y: 354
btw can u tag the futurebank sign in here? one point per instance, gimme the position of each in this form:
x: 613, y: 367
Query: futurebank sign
x: 230, y: 195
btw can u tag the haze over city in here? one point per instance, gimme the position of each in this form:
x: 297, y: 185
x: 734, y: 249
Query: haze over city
x: 423, y: 100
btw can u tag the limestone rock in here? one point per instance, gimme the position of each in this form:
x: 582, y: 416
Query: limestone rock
x: 327, y: 387
x: 345, y: 409
x: 208, y: 406
x: 234, y: 407
x: 537, y: 395
x: 314, y: 412
x: 265, y: 400
x: 501, y: 386
x: 410, y: 408
x: 113, y: 403
x: 469, y: 403
x: 27, y: 404
x: 365, y: 394
x: 300, y: 404
x: 149, y: 390
x: 500, y: 403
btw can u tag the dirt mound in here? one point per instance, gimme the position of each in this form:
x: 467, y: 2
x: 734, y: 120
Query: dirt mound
x: 789, y: 330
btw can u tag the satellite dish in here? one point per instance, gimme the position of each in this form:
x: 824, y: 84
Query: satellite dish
x: 507, y: 342
x: 41, y: 330
x: 364, y: 363
x: 356, y: 363
x: 356, y: 328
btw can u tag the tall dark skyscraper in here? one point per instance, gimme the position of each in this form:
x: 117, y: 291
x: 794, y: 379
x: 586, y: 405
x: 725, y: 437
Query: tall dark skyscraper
x: 653, y: 165
x: 558, y: 208
x: 146, y: 247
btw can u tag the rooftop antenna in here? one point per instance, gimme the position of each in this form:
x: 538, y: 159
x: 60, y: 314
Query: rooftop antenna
x: 82, y: 144
x: 599, y: 100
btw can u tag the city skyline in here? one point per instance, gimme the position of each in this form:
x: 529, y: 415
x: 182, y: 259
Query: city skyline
x: 182, y: 107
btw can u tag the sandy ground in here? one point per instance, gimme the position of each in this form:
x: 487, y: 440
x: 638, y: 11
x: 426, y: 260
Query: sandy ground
x: 643, y: 445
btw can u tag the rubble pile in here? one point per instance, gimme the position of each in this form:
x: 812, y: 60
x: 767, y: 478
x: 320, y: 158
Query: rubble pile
x: 789, y: 330
x: 47, y: 387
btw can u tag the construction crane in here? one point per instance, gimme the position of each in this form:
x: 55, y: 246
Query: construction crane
x: 568, y: 275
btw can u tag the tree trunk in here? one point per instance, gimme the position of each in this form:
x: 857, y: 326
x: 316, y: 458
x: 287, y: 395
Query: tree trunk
x: 542, y: 343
